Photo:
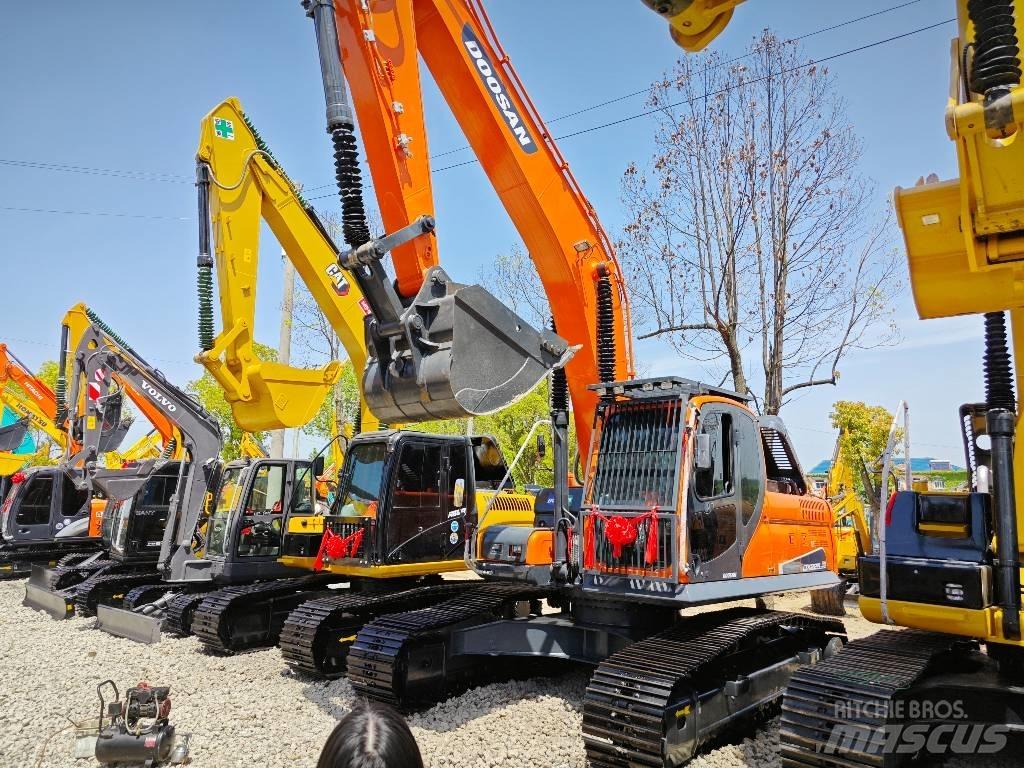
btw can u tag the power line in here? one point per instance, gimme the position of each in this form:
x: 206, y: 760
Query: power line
x: 600, y: 126
x: 92, y: 171
x: 144, y: 175
x: 93, y: 213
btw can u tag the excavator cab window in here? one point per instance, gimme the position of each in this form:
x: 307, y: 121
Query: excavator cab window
x: 228, y: 499
x: 34, y: 508
x: 716, y: 479
x: 364, y: 475
x: 139, y: 521
x: 260, y: 532
x: 73, y: 501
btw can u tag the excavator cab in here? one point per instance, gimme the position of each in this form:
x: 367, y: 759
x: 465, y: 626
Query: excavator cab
x: 689, y: 494
x: 405, y: 502
x: 44, y: 510
x: 135, y: 524
x: 246, y: 528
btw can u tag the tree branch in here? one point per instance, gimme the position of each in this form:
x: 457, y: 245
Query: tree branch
x: 812, y: 383
x: 677, y: 328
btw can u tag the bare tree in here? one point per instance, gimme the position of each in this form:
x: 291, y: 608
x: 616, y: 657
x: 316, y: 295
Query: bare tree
x: 752, y: 244
x: 513, y: 278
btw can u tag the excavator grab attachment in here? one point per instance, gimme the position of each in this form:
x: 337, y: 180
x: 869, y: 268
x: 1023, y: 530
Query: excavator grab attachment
x: 457, y: 351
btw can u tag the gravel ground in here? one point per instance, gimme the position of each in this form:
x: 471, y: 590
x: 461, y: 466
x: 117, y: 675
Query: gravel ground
x: 250, y: 710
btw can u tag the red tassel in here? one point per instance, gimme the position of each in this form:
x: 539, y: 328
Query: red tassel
x: 355, y: 540
x: 329, y: 537
x: 589, y: 556
x: 651, y: 550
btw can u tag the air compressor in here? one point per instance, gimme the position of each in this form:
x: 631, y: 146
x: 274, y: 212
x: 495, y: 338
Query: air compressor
x: 136, y: 731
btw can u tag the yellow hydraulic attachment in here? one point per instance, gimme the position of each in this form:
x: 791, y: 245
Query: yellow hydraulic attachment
x: 693, y: 24
x: 149, y: 446
x: 249, y: 448
x: 852, y: 536
x: 244, y: 183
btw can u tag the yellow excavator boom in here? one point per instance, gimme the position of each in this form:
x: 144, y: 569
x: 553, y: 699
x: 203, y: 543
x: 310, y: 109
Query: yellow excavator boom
x: 245, y: 184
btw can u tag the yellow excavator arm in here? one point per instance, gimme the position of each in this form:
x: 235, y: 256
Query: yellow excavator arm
x: 245, y: 184
x: 249, y: 448
x: 149, y: 446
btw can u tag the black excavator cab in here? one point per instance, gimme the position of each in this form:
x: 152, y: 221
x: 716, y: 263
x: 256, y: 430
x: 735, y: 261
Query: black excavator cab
x: 43, y: 517
x: 135, y: 525
x: 43, y: 504
x: 245, y: 533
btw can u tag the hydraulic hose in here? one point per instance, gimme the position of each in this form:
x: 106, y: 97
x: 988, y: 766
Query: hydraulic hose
x: 204, y: 262
x: 340, y: 124
x: 995, y: 68
x: 605, y: 328
x: 1000, y: 420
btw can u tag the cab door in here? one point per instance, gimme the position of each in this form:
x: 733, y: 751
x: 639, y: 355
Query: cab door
x: 34, y: 505
x: 416, y: 519
x: 726, y: 491
x: 262, y: 520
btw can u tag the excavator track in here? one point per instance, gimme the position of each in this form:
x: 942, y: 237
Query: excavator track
x: 247, y: 616
x: 658, y: 701
x: 316, y: 636
x: 108, y: 589
x: 179, y: 612
x: 17, y: 562
x: 860, y: 683
x: 69, y: 575
x: 385, y: 650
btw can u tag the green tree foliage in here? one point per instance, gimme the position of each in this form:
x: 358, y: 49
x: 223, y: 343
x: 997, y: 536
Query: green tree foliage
x: 863, y: 434
x: 511, y: 426
x: 209, y: 394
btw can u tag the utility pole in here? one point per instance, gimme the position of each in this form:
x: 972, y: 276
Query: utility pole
x: 284, y: 344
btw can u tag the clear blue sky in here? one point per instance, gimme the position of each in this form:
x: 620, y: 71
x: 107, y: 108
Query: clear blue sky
x: 116, y: 86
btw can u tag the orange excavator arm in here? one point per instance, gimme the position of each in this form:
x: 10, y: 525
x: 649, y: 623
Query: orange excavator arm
x: 380, y: 45
x: 13, y: 371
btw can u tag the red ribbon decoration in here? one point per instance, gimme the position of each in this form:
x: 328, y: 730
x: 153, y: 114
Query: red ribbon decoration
x: 336, y: 547
x: 621, y: 532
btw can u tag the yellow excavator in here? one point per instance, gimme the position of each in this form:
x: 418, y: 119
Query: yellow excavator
x: 402, y: 496
x: 948, y: 565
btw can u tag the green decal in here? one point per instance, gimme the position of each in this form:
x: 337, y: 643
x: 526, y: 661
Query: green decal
x: 224, y: 129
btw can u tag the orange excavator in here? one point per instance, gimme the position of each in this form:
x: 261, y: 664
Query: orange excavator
x: 689, y: 497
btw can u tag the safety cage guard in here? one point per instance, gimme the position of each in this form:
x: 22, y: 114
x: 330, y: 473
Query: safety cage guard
x: 629, y: 520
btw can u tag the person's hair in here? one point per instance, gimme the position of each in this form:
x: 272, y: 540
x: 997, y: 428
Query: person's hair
x: 372, y: 735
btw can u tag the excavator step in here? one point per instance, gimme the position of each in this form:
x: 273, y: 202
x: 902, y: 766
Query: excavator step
x: 835, y: 714
x: 658, y: 701
x: 108, y: 589
x: 316, y: 636
x: 387, y: 649
x: 247, y: 616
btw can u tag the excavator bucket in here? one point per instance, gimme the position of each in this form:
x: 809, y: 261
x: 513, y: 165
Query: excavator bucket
x: 469, y: 355
x: 121, y: 484
x: 283, y: 395
x: 13, y: 435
